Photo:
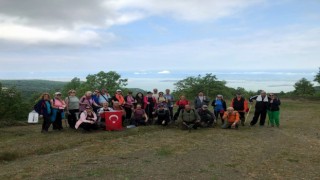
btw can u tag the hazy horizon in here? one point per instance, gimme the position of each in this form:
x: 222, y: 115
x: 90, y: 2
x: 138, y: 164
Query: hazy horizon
x: 272, y: 80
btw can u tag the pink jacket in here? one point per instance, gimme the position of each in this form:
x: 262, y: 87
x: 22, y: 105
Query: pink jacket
x: 83, y: 119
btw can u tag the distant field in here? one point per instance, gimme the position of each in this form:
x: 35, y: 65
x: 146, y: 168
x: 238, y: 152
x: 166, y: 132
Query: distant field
x: 291, y: 152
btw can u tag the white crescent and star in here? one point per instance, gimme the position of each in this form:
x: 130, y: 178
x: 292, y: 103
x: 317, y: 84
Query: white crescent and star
x: 113, y: 116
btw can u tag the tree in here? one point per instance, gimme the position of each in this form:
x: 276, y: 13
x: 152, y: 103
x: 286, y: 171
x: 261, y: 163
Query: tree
x: 304, y: 87
x: 103, y: 80
x: 75, y: 84
x: 317, y: 77
x: 209, y: 84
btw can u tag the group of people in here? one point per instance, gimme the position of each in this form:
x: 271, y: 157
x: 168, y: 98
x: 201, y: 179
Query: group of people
x: 153, y: 108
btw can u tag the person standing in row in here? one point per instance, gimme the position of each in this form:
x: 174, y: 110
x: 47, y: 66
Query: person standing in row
x: 128, y: 105
x: 150, y: 104
x: 58, y: 105
x: 260, y: 108
x: 72, y: 102
x: 104, y: 97
x: 181, y: 103
x: 139, y: 100
x: 219, y: 106
x: 274, y: 110
x: 201, y: 100
x: 170, y: 101
x: 240, y: 105
x: 43, y: 108
x: 118, y: 97
x: 85, y: 101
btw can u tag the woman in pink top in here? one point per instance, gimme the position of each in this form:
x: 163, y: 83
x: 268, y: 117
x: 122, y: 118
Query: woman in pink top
x: 88, y: 120
x: 58, y: 105
x: 87, y: 100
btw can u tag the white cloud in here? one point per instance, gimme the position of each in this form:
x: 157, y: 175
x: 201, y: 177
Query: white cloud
x: 77, y: 22
x: 192, y: 10
x: 164, y: 72
x: 34, y: 35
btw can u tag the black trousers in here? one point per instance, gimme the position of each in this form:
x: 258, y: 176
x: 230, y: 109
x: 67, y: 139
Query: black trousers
x: 171, y: 113
x: 57, y: 124
x: 46, y: 123
x: 72, y: 117
x: 89, y: 127
x: 217, y: 113
x: 242, y: 117
x: 128, y: 112
x: 259, y: 113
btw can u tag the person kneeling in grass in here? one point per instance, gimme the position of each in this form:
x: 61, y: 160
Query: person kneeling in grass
x: 162, y: 115
x: 139, y: 116
x: 231, y: 119
x: 188, y: 118
x: 88, y: 120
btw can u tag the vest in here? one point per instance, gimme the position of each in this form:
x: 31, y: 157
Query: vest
x: 238, y: 105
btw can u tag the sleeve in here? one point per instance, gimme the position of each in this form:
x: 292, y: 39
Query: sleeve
x: 237, y: 117
x: 245, y: 103
x: 231, y: 104
x: 225, y: 116
x: 253, y: 98
x: 94, y: 116
x: 224, y: 105
x: 213, y: 103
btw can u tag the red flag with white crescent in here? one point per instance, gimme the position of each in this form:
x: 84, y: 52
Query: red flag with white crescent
x: 113, y: 120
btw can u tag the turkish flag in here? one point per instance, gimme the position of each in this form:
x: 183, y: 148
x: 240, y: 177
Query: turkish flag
x: 113, y: 120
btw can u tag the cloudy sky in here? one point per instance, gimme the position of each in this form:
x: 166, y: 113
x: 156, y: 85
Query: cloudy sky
x: 64, y: 39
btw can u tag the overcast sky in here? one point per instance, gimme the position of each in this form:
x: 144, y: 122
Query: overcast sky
x: 87, y: 36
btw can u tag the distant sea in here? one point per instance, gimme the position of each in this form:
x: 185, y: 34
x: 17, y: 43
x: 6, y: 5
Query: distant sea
x: 271, y: 80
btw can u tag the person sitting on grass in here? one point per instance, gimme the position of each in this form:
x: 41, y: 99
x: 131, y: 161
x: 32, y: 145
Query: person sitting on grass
x: 105, y: 108
x: 207, y: 117
x: 88, y: 120
x: 139, y: 116
x: 116, y: 106
x: 231, y: 119
x: 188, y: 118
x: 162, y: 115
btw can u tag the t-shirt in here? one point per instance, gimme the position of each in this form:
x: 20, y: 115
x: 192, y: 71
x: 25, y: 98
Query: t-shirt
x: 138, y: 113
x: 73, y: 102
x: 104, y: 98
x: 170, y: 98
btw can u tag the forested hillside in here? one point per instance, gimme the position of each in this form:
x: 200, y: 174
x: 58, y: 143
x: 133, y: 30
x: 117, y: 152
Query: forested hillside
x: 29, y: 87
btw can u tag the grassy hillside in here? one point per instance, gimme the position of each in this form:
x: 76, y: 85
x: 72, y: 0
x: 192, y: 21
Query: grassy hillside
x: 152, y: 152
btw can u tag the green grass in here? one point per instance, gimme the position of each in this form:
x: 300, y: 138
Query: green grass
x: 154, y: 152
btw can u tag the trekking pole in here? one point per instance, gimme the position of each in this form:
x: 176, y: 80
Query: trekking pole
x: 248, y: 113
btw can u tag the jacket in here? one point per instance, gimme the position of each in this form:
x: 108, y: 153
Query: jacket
x: 224, y: 104
x: 240, y: 105
x: 231, y: 118
x: 261, y: 103
x: 274, y: 106
x: 191, y: 116
x: 198, y: 104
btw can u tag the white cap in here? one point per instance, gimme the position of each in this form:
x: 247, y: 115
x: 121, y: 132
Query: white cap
x: 119, y: 90
x: 57, y: 93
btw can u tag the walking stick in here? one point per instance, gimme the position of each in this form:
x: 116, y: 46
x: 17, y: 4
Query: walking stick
x: 248, y: 113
